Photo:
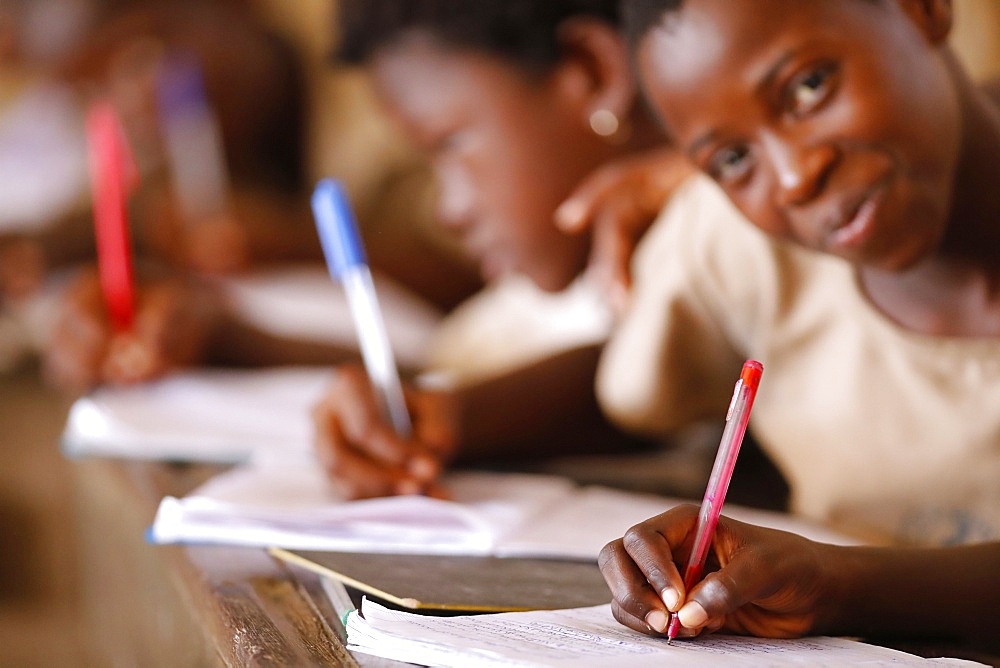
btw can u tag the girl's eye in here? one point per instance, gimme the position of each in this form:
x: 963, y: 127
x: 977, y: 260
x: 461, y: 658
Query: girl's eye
x: 447, y: 142
x: 730, y: 164
x: 810, y: 90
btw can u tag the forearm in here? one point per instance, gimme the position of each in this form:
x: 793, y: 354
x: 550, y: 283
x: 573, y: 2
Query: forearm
x: 546, y: 408
x: 933, y: 594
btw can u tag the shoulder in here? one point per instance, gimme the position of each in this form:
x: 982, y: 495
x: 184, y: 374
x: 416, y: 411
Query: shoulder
x: 699, y: 228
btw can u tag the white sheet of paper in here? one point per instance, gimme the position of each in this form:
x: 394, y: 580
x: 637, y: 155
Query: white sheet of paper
x: 588, y: 638
x: 607, y: 513
x: 295, y: 508
x: 291, y: 505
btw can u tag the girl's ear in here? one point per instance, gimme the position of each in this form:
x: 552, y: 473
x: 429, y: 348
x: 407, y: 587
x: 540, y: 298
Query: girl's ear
x: 594, y: 74
x: 933, y: 17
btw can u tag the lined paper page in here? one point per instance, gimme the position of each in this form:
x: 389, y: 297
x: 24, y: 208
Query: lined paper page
x: 589, y: 638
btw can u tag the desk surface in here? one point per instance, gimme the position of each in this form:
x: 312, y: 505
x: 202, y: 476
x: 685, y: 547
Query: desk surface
x: 168, y: 605
x: 176, y: 605
x: 205, y: 606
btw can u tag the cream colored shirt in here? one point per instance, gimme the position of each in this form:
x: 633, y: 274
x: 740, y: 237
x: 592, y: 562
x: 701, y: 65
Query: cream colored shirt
x: 874, y: 427
x: 512, y: 322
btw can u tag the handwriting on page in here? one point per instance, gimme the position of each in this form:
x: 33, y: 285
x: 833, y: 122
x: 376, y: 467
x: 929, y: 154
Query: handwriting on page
x: 585, y: 637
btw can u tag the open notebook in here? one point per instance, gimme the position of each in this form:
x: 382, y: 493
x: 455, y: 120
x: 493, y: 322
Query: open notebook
x: 227, y: 415
x: 589, y: 638
x: 210, y: 415
x: 490, y: 514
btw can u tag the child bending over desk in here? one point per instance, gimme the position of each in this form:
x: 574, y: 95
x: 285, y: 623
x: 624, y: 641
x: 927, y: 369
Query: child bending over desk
x: 515, y: 103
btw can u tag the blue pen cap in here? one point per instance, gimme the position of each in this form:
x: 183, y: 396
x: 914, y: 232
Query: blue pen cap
x: 338, y: 232
x: 180, y: 85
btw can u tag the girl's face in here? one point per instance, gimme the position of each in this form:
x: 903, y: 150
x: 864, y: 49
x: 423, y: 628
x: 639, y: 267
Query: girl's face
x: 831, y: 123
x: 505, y: 148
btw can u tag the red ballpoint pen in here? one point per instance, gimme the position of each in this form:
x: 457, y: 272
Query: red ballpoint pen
x: 112, y: 177
x: 718, y: 483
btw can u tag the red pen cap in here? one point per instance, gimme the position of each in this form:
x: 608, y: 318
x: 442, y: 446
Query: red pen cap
x: 113, y: 175
x: 752, y: 371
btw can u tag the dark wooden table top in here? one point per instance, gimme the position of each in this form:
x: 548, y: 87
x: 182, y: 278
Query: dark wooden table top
x: 185, y: 605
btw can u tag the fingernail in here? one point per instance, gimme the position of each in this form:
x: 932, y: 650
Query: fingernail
x: 568, y: 215
x: 131, y: 359
x: 657, y: 620
x: 671, y: 598
x: 408, y: 487
x: 422, y: 468
x: 692, y: 615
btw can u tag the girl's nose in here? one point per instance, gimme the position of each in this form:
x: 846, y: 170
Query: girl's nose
x: 800, y: 172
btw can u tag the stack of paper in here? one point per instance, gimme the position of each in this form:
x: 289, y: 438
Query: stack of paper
x: 489, y: 514
x: 588, y: 638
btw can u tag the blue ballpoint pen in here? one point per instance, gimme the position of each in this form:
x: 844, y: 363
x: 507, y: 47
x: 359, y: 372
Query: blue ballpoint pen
x: 345, y: 257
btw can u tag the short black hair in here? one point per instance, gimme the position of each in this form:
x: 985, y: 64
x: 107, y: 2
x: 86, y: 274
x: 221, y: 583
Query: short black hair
x: 641, y: 16
x: 523, y: 31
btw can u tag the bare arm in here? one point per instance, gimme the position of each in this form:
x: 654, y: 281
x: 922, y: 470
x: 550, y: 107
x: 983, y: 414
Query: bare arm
x: 547, y: 408
x: 950, y: 593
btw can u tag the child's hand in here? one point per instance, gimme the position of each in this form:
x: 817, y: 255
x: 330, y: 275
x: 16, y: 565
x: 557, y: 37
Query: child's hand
x: 217, y: 245
x: 212, y: 244
x: 619, y: 202
x: 174, y: 322
x: 771, y: 583
x: 364, y: 455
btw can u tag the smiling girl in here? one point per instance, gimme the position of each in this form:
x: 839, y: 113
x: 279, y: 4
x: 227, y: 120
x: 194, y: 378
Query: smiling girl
x: 868, y: 280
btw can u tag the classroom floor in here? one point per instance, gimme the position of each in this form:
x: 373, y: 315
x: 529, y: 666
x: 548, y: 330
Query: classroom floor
x: 39, y: 598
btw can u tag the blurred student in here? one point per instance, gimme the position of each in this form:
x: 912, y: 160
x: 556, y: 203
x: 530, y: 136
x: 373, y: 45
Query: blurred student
x: 515, y: 104
x: 865, y: 287
x: 213, y: 102
x: 163, y: 65
x: 42, y: 157
x: 221, y: 184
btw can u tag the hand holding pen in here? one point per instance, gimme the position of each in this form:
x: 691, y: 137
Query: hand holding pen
x: 737, y: 419
x: 639, y: 568
x: 370, y: 439
x: 109, y: 327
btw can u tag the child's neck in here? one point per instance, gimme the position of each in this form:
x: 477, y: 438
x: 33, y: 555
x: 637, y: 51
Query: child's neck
x: 938, y: 298
x: 956, y: 291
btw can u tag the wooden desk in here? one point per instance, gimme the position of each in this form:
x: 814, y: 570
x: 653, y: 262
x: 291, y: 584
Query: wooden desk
x: 154, y: 605
x: 208, y: 606
x: 192, y: 606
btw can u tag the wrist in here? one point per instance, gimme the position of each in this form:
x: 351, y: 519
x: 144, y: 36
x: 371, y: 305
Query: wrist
x: 842, y: 570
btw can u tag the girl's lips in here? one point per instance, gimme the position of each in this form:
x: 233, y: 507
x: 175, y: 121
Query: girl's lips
x: 858, y: 228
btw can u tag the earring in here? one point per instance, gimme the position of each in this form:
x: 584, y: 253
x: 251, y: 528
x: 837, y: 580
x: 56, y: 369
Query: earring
x: 604, y: 123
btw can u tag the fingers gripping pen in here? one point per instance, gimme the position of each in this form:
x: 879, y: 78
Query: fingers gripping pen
x: 345, y: 257
x: 718, y: 482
